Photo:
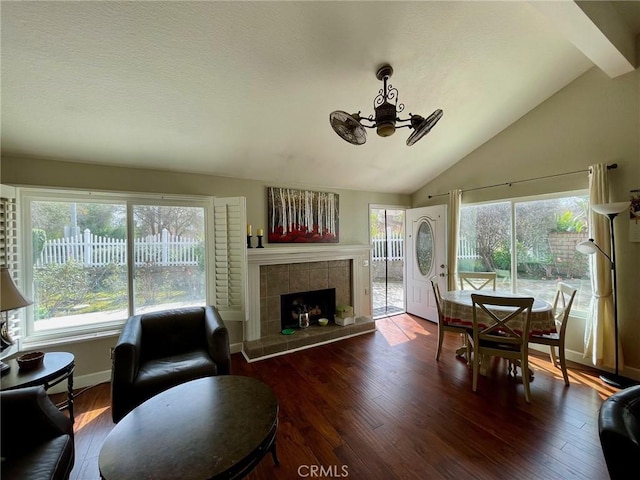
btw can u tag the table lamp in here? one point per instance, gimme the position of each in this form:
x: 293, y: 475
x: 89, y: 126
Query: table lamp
x: 10, y: 299
x: 611, y: 210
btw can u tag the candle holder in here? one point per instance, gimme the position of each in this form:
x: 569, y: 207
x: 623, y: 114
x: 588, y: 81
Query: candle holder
x: 249, y: 241
x: 260, y: 241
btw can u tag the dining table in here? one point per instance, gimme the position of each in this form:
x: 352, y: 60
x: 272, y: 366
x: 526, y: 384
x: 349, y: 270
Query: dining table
x: 457, y: 309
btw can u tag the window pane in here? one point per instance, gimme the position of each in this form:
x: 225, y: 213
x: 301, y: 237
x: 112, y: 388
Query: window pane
x: 424, y: 248
x: 547, y: 232
x: 485, y: 241
x: 169, y: 257
x: 79, y: 263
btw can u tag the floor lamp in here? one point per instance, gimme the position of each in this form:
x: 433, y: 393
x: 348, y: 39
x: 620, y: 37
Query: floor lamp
x: 611, y: 210
x: 10, y: 299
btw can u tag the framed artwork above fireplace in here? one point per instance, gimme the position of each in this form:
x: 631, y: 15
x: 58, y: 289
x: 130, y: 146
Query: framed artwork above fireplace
x: 302, y: 216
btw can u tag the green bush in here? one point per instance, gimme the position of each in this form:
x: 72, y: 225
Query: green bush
x: 470, y: 265
x: 38, y: 239
x: 59, y: 287
x: 502, y: 259
x: 568, y: 222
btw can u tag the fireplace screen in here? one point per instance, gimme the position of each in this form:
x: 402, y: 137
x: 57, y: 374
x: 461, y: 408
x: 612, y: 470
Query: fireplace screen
x: 317, y: 303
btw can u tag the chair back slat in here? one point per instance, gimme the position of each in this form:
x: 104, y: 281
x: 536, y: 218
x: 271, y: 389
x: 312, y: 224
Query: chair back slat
x: 562, y: 304
x: 485, y: 278
x: 501, y: 323
x: 436, y: 294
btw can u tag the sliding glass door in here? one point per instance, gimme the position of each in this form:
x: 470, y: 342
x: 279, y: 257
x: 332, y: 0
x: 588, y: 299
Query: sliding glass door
x: 387, y: 260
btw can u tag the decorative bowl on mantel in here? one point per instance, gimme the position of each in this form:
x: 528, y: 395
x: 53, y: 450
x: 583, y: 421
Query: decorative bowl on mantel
x: 30, y: 361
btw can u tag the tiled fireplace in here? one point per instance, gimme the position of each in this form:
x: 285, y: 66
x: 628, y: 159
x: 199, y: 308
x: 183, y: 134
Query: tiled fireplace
x: 283, y: 271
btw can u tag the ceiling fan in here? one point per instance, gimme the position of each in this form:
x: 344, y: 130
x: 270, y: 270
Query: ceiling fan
x: 386, y: 120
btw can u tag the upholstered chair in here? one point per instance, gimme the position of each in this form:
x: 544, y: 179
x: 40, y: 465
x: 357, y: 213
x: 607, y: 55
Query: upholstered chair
x: 159, y: 350
x: 37, y: 438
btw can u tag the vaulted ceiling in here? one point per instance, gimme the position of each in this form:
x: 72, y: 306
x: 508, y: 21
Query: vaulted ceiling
x: 244, y: 89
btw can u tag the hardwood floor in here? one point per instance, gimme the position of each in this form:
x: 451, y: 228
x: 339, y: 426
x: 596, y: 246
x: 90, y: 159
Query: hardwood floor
x: 379, y: 406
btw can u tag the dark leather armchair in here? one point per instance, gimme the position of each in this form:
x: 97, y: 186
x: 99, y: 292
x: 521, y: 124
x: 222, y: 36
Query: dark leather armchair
x: 37, y: 438
x: 619, y: 429
x: 159, y: 350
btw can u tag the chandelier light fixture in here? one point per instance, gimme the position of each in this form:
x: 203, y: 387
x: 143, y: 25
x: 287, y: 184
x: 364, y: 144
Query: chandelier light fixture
x: 351, y: 127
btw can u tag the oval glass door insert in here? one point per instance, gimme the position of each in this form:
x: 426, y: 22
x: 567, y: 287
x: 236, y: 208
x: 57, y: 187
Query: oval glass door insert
x: 424, y: 248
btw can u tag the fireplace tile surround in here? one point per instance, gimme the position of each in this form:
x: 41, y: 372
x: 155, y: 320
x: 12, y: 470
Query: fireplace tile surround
x: 278, y: 280
x: 282, y: 270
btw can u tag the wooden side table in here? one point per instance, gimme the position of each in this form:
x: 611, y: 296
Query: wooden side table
x: 56, y: 367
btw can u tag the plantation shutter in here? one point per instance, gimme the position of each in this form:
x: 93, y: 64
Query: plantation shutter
x: 230, y: 256
x: 9, y: 254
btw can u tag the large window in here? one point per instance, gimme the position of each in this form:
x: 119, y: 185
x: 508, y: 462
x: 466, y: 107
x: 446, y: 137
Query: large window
x: 96, y: 259
x: 530, y: 243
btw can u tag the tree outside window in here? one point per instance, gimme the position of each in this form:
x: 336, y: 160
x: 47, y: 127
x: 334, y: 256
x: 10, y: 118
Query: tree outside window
x: 545, y: 231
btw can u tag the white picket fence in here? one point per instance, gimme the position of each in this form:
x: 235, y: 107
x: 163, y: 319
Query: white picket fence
x: 395, y: 246
x: 466, y: 249
x: 93, y: 250
x: 388, y: 248
x: 166, y: 249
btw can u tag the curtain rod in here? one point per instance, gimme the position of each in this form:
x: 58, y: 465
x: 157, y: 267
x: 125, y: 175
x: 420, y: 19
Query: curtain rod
x: 613, y: 166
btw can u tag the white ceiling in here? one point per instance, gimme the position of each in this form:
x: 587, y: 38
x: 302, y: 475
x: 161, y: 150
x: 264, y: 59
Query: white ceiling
x: 244, y: 89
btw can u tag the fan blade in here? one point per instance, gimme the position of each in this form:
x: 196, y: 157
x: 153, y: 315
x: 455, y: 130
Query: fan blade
x: 424, y: 126
x: 348, y: 127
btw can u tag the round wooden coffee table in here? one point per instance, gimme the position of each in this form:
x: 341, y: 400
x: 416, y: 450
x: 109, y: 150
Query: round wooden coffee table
x: 210, y: 428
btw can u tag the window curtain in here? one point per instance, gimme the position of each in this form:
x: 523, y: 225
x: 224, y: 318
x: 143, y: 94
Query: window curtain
x: 455, y: 198
x: 599, y: 334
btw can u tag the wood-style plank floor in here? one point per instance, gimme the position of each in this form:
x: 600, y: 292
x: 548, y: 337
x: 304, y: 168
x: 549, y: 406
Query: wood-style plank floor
x: 379, y: 406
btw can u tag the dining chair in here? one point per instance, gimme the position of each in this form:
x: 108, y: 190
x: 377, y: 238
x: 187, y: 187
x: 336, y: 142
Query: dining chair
x: 501, y: 328
x: 443, y: 327
x: 485, y: 278
x: 561, y: 309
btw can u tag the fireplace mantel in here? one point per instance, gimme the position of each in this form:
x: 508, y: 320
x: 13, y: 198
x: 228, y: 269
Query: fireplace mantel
x: 257, y: 257
x: 280, y: 255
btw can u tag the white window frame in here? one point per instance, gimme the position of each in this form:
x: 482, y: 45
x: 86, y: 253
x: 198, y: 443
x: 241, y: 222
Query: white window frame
x: 31, y: 338
x: 529, y: 198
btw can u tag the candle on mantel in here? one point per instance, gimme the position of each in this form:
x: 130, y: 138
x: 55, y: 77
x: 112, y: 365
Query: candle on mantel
x: 260, y: 232
x: 249, y: 230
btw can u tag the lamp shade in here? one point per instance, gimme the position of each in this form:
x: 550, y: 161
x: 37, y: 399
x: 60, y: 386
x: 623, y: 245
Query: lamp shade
x: 587, y: 247
x: 10, y: 296
x: 610, y: 208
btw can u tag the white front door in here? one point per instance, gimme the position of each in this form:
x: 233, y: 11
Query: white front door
x: 426, y: 253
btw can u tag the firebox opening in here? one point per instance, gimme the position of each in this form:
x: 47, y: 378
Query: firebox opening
x: 317, y: 303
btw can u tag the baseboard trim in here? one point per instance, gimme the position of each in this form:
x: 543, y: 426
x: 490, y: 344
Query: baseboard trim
x: 578, y: 357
